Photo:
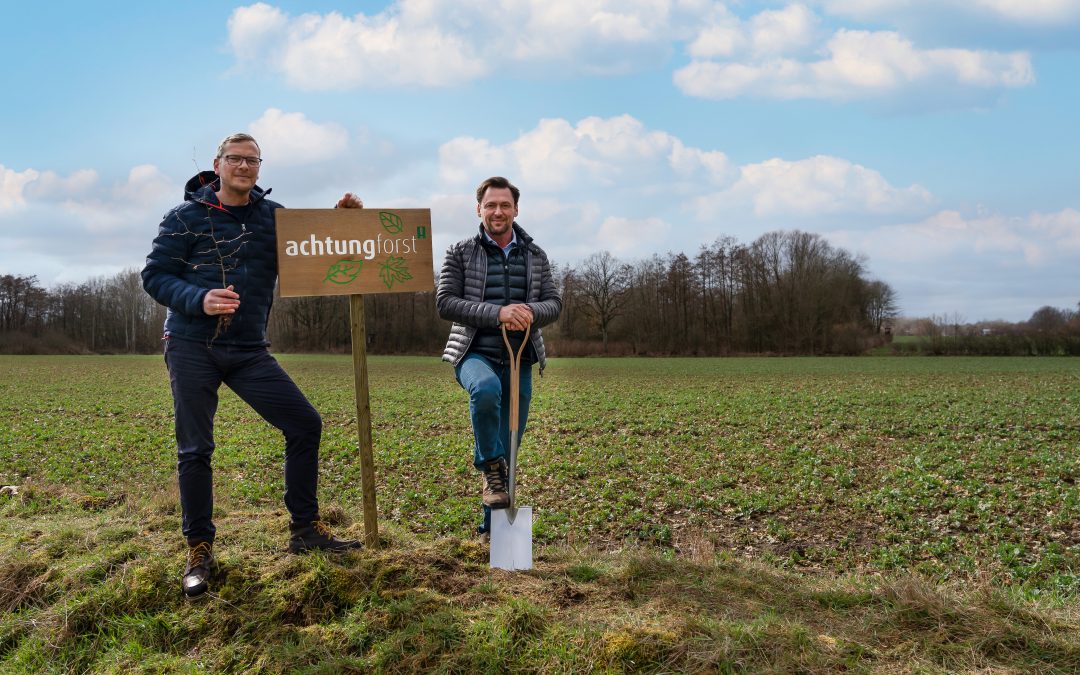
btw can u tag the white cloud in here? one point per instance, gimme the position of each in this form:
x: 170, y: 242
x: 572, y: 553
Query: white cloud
x: 443, y: 43
x: 332, y: 51
x: 818, y: 186
x: 619, y: 155
x: 612, y: 183
x: 29, y: 187
x: 1061, y: 230
x: 782, y: 31
x: 555, y: 154
x: 986, y: 265
x: 596, y: 153
x: 290, y: 139
x: 254, y: 31
x: 718, y: 40
x: 629, y: 236
x: 777, y: 53
x: 12, y: 186
x: 689, y: 162
x: 464, y: 158
x: 586, y: 184
x: 862, y: 59
x: 859, y: 64
x: 68, y: 228
x: 591, y: 36
x: 123, y: 208
x: 146, y: 187
x: 50, y: 186
x: 996, y: 241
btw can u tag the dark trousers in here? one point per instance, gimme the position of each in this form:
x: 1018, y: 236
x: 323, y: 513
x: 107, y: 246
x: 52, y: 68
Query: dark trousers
x: 196, y: 372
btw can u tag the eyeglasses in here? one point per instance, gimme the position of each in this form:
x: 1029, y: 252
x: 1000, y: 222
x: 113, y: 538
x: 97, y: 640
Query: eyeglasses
x: 237, y: 160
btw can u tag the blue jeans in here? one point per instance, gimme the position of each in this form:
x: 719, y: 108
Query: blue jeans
x: 196, y: 372
x: 488, y: 384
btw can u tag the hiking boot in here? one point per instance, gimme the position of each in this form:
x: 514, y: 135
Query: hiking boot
x: 316, y: 536
x: 495, y: 494
x: 200, y: 563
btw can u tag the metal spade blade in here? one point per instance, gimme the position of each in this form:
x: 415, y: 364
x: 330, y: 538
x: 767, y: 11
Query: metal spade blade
x: 511, y: 528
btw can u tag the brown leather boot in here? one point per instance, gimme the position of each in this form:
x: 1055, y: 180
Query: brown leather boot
x: 200, y: 564
x: 316, y: 536
x: 495, y: 478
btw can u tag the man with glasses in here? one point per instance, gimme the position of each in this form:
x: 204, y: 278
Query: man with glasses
x: 496, y: 278
x: 214, y: 266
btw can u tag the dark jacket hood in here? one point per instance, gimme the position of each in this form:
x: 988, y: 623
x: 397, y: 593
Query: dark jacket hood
x: 203, y: 184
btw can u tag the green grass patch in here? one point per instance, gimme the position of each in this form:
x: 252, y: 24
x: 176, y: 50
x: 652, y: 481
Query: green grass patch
x: 691, y: 514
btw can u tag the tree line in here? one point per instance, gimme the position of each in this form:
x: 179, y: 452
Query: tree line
x: 101, y: 315
x: 788, y: 292
x: 1051, y: 331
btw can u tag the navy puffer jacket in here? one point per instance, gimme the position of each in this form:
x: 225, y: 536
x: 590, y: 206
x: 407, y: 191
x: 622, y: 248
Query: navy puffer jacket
x: 460, y: 297
x: 202, y: 245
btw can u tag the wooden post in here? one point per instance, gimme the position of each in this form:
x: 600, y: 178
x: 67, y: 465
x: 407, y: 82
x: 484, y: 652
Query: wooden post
x: 363, y: 419
x: 389, y: 252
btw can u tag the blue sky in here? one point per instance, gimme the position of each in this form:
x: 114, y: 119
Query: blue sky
x: 937, y: 139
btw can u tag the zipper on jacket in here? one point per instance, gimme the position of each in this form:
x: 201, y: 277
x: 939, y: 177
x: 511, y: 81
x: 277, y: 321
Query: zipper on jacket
x: 506, y: 278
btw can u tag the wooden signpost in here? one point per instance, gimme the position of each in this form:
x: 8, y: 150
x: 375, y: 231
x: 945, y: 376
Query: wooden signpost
x: 355, y: 252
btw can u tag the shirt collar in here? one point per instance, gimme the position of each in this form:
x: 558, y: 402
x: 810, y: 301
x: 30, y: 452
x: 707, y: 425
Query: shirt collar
x: 505, y: 249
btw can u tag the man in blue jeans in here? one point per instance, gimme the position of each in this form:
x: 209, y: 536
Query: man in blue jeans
x: 213, y: 251
x: 496, y: 278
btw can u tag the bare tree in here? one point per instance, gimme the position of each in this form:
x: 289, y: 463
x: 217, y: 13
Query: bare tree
x: 570, y: 319
x: 604, y: 282
x: 22, y: 301
x: 644, y: 306
x: 880, y: 304
x: 718, y: 282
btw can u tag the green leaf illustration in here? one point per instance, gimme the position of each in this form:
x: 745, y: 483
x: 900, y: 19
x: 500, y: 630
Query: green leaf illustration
x: 394, y: 270
x: 343, y: 271
x: 391, y: 222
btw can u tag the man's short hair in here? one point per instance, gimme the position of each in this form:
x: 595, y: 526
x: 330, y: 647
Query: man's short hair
x: 497, y: 182
x: 236, y: 138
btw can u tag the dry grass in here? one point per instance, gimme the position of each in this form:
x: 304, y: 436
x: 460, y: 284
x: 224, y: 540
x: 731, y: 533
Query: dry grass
x: 98, y: 591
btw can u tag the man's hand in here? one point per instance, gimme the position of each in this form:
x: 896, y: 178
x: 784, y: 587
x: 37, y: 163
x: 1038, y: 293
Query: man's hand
x: 349, y: 201
x: 516, y: 317
x: 220, y: 301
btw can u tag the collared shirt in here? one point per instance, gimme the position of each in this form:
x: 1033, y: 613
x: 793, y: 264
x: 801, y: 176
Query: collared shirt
x: 505, y: 249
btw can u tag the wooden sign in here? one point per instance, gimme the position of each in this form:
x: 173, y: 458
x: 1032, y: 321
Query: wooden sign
x: 353, y: 251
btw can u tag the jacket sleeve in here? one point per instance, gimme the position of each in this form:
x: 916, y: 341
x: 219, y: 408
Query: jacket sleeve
x: 450, y: 299
x: 549, y: 305
x: 162, y: 276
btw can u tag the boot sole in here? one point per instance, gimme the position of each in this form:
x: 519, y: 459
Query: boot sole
x: 197, y: 597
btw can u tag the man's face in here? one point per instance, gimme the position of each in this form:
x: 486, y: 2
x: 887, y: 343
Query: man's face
x: 238, y: 179
x: 497, y: 211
